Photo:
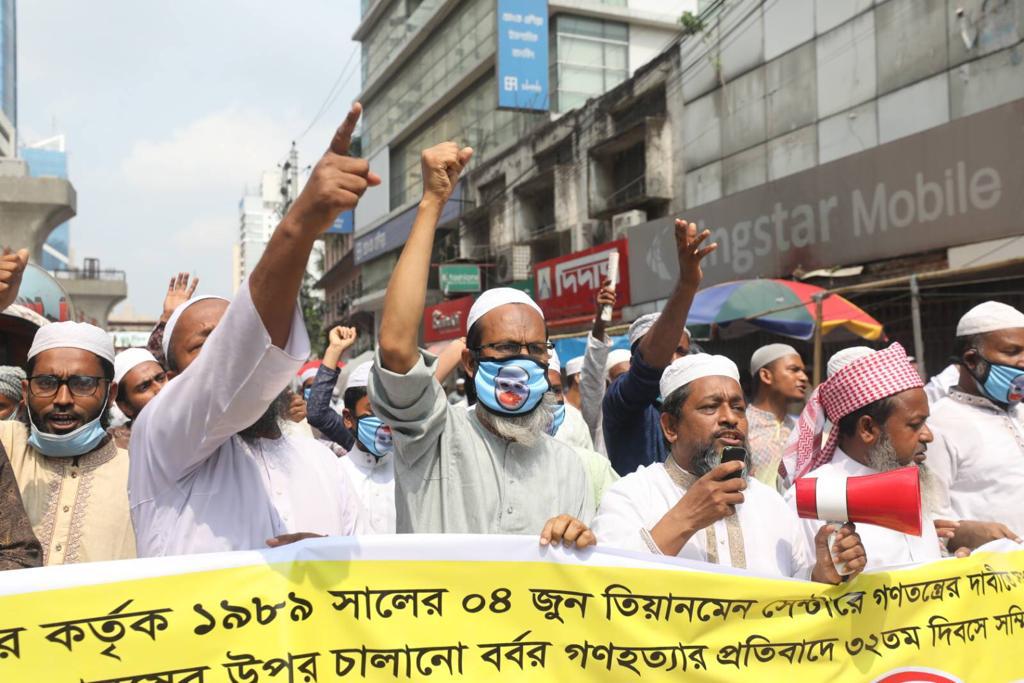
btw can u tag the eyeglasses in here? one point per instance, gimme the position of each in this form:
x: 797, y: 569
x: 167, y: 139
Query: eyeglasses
x: 510, y: 348
x: 45, y: 386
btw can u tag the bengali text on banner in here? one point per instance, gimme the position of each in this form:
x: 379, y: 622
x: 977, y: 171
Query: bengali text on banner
x: 492, y: 608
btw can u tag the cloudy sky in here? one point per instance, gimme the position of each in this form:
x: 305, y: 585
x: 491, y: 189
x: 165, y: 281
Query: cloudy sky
x: 170, y: 110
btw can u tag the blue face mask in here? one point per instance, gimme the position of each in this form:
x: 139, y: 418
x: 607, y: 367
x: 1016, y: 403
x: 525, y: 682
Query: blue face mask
x: 70, y: 445
x: 374, y: 435
x: 1003, y: 383
x: 557, y: 419
x: 306, y: 392
x: 511, y: 386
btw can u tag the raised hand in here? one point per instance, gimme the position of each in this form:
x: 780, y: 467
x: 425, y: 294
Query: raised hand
x: 342, y: 338
x: 690, y: 253
x: 441, y: 165
x: 12, y: 268
x: 337, y: 182
x: 180, y: 290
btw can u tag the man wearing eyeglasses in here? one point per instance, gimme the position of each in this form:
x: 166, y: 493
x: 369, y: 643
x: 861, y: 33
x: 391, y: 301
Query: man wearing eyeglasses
x: 72, y: 476
x: 493, y: 469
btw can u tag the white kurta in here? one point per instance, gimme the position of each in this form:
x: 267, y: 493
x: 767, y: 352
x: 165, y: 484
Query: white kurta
x: 772, y: 541
x: 574, y: 430
x: 194, y: 486
x: 884, y: 547
x: 374, y: 482
x: 979, y: 454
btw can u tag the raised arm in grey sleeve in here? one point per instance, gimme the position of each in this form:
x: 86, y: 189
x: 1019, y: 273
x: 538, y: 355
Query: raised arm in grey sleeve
x: 592, y: 381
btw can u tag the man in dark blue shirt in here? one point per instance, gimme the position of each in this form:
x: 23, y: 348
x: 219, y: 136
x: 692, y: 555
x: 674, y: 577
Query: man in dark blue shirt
x: 632, y: 420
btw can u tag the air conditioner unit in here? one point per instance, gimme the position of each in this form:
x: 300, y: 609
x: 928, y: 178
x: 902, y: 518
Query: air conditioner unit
x: 512, y: 263
x: 622, y: 222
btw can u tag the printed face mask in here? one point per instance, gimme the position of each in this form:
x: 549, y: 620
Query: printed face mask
x: 511, y: 386
x: 1002, y: 383
x: 375, y: 436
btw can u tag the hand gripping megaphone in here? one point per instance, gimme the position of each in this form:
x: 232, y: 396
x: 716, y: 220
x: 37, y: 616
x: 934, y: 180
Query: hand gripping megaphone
x: 888, y: 499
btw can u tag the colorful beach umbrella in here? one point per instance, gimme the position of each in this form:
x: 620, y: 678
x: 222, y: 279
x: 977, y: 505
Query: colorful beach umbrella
x: 783, y: 307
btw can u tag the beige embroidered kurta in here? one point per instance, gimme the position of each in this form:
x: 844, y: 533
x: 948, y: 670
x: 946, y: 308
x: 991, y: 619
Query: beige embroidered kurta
x: 78, y: 507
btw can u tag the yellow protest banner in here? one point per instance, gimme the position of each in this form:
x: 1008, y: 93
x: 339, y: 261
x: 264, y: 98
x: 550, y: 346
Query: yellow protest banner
x: 486, y: 608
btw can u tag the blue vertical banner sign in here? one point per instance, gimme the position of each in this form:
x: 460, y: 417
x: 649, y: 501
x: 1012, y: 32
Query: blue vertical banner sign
x: 343, y: 224
x: 523, y: 55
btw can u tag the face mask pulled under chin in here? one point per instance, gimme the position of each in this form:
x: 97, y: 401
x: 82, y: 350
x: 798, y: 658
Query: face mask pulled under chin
x: 71, y: 445
x: 1002, y: 383
x: 511, y: 386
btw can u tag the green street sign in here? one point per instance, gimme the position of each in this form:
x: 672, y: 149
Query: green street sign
x: 460, y: 277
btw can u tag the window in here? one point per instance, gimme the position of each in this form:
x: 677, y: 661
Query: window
x: 590, y: 57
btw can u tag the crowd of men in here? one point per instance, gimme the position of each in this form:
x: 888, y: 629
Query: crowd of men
x: 232, y: 439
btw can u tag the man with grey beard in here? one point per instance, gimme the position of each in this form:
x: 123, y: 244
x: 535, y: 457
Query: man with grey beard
x: 493, y: 469
x: 880, y: 411
x: 210, y: 470
x: 697, y: 507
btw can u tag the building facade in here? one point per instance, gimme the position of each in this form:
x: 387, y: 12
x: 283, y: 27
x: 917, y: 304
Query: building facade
x: 49, y: 159
x: 430, y: 74
x: 258, y: 214
x: 844, y: 144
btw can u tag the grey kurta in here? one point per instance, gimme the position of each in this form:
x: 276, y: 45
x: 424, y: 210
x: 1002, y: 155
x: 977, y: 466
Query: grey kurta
x: 454, y: 476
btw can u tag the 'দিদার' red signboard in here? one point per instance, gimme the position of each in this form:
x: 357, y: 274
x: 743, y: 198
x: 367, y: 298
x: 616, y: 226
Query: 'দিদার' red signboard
x: 566, y: 287
x: 446, y: 320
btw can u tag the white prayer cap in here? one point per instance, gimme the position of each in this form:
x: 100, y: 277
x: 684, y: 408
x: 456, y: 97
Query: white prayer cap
x: 642, y: 326
x: 73, y: 335
x: 616, y: 356
x: 689, y: 368
x: 554, y: 363
x: 499, y: 296
x: 359, y: 377
x: 989, y: 317
x: 574, y: 366
x: 460, y: 380
x: 173, y: 320
x: 769, y: 354
x: 128, y: 360
x: 840, y: 359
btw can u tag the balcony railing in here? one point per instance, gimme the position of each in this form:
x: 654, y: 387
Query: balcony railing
x: 88, y: 274
x: 630, y: 192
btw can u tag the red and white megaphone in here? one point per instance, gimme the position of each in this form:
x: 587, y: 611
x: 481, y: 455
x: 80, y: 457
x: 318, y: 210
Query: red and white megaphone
x: 888, y: 499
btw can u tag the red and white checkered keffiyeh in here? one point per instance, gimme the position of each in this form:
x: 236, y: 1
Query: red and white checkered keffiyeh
x: 862, y: 382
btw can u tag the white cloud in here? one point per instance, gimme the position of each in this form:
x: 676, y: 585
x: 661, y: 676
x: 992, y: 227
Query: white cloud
x: 222, y: 151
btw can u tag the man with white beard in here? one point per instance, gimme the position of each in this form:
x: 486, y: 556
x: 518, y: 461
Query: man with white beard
x: 878, y: 406
x: 494, y: 470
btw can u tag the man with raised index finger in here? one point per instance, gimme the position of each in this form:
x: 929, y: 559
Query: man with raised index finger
x: 211, y: 469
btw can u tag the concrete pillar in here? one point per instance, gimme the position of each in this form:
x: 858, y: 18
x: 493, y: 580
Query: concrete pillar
x: 30, y: 208
x: 95, y: 297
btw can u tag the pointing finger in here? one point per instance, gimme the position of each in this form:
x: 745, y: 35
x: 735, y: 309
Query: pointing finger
x: 342, y: 139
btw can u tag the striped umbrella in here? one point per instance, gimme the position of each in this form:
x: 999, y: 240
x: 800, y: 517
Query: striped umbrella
x: 783, y: 307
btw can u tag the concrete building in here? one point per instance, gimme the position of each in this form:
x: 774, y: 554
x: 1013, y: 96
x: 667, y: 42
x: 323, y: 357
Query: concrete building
x: 429, y: 74
x: 258, y: 214
x: 48, y: 159
x: 883, y: 137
